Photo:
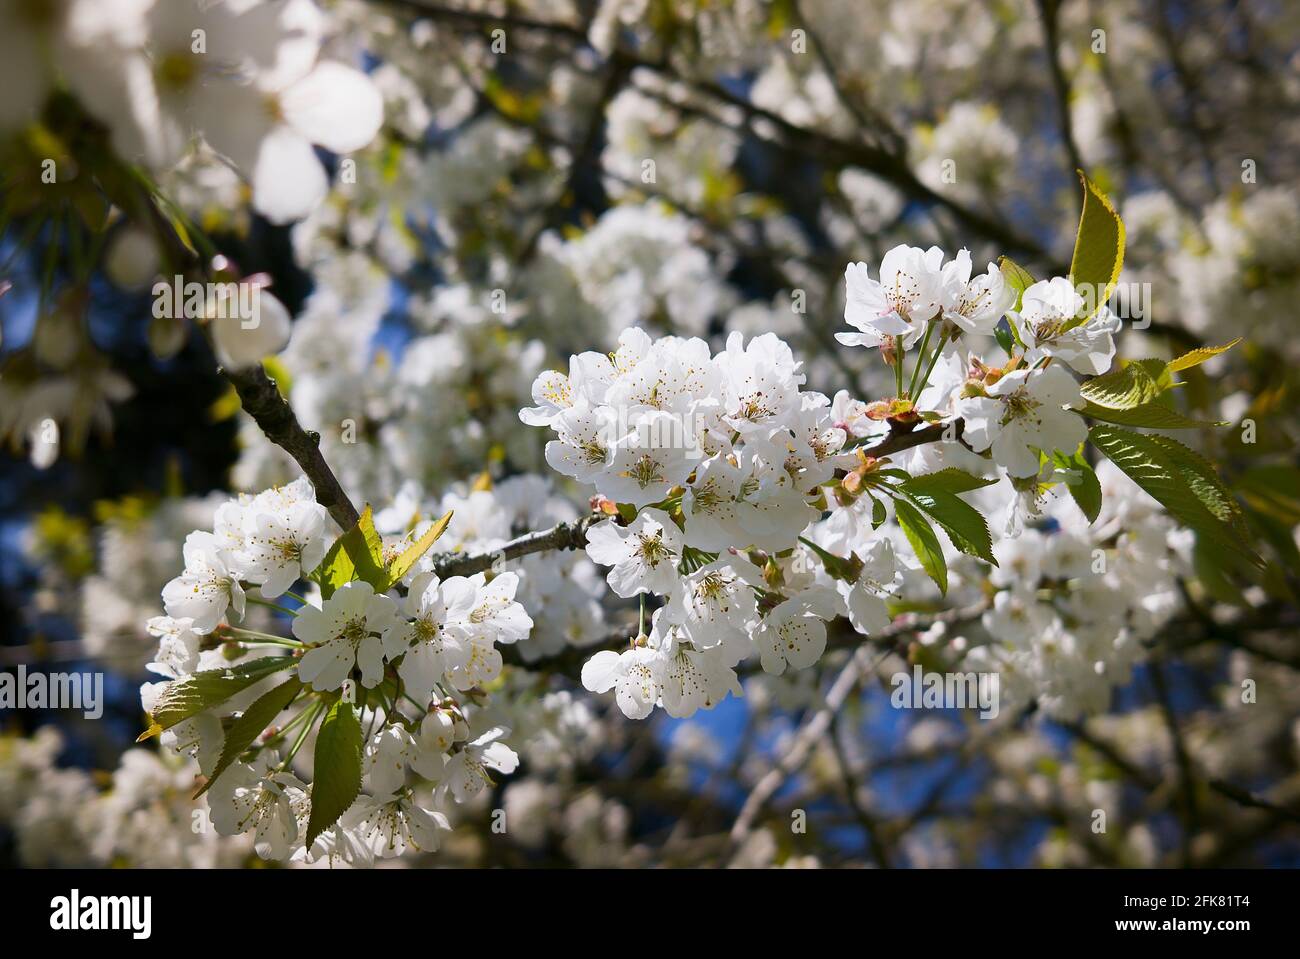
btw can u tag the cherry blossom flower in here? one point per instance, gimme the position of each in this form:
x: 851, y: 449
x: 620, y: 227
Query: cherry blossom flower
x: 207, y: 588
x: 280, y: 548
x: 467, y: 771
x: 345, y: 632
x: 1026, y: 412
x: 644, y: 553
x: 908, y: 293
x: 975, y: 305
x: 1046, y: 308
x: 244, y: 798
x: 636, y: 675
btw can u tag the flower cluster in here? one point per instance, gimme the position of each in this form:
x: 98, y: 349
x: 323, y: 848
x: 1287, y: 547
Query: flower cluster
x: 714, y: 461
x: 407, y: 662
x: 1015, y: 411
x: 736, y: 499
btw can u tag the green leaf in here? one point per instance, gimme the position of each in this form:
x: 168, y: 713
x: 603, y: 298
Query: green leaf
x: 404, y: 562
x: 1198, y: 356
x: 950, y: 480
x: 211, y: 687
x: 1002, y: 333
x: 177, y: 222
x: 889, y: 474
x: 1130, y: 386
x: 1272, y: 490
x: 925, y: 544
x: 1098, y: 251
x: 251, y: 724
x: 1182, y: 481
x: 1280, y: 536
x: 336, y: 766
x: 357, y: 554
x: 1214, y: 574
x: 961, y: 521
x: 1017, y: 277
x: 1086, y: 491
x: 878, y: 513
x: 1153, y: 416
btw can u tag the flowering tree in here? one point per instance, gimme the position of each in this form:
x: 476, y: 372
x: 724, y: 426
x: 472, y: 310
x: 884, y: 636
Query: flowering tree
x: 576, y: 279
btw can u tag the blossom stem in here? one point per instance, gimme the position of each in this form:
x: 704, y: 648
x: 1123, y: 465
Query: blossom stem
x: 314, y: 709
x: 270, y: 605
x: 920, y: 359
x: 283, y: 731
x: 561, y: 536
x: 264, y: 639
x: 934, y: 360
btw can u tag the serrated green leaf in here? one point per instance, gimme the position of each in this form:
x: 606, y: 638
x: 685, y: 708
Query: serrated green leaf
x: 1203, y: 478
x: 924, y: 542
x: 251, y: 724
x: 357, y: 554
x: 1198, y: 356
x: 1098, y: 251
x: 1182, y: 481
x: 1158, y: 370
x: 1086, y: 490
x: 949, y: 480
x: 336, y: 767
x: 1153, y: 416
x: 961, y: 521
x: 411, y: 555
x: 1130, y: 386
x: 211, y: 687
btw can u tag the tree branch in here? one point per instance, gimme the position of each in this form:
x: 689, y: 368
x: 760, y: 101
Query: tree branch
x: 1048, y: 11
x: 262, y: 401
x: 813, y: 144
x: 561, y: 536
x: 815, y: 728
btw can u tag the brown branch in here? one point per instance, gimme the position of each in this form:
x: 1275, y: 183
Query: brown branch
x: 1108, y: 750
x: 870, y: 826
x: 1049, y: 16
x: 1251, y: 800
x: 814, y: 729
x: 561, y: 536
x: 1190, y: 814
x: 813, y: 144
x: 574, y: 535
x: 262, y: 401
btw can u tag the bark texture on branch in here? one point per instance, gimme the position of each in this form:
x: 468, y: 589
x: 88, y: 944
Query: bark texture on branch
x: 262, y: 401
x: 561, y: 536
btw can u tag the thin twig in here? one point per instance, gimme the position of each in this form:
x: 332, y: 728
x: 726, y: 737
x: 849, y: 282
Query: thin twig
x: 814, y: 728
